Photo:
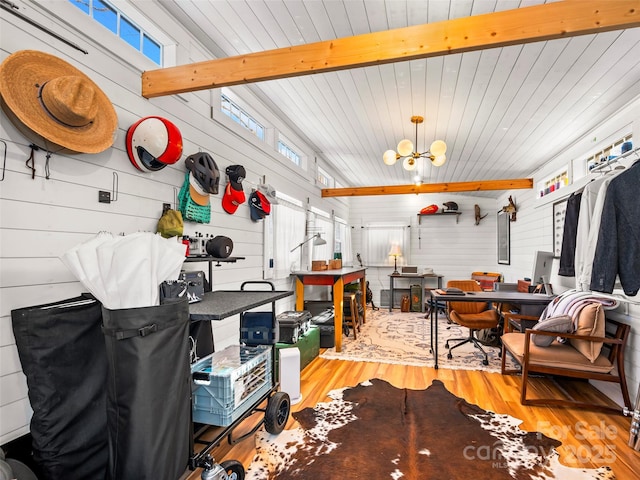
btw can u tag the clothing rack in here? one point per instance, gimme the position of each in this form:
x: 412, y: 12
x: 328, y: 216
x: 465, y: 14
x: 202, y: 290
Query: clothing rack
x: 619, y: 297
x: 617, y: 159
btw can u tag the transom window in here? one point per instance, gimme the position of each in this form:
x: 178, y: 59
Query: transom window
x: 124, y: 27
x: 240, y: 116
x: 324, y: 178
x: 288, y: 152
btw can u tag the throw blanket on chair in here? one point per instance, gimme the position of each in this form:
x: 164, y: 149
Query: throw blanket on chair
x: 573, y: 301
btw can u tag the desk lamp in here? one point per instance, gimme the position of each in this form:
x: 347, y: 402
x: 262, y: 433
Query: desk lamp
x: 395, y: 253
x: 317, y: 240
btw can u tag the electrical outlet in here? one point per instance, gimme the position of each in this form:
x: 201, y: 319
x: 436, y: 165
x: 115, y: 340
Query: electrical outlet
x: 104, y: 197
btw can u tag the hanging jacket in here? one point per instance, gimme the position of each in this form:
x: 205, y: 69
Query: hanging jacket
x: 618, y: 247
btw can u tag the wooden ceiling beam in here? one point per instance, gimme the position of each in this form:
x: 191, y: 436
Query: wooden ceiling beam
x: 517, y: 26
x: 448, y: 187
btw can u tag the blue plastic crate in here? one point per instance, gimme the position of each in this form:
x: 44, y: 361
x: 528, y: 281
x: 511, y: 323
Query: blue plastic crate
x: 226, y: 383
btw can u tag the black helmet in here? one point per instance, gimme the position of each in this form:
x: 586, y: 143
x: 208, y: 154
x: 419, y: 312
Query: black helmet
x: 205, y: 171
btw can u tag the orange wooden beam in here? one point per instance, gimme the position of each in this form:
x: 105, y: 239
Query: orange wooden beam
x: 509, y: 27
x: 513, y: 184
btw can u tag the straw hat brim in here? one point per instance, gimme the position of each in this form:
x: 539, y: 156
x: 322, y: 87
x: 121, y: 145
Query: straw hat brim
x: 21, y: 76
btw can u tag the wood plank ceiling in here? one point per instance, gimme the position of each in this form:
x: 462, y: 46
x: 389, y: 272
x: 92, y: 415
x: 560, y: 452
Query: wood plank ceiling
x: 502, y: 111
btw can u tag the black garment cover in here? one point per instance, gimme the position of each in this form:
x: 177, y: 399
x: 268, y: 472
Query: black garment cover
x: 567, y: 254
x: 62, y: 352
x: 148, y: 391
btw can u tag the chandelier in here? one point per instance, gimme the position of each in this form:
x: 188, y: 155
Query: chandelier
x: 436, y: 152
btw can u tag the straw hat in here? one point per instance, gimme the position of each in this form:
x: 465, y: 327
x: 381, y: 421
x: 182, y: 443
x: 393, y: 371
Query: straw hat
x: 55, y: 105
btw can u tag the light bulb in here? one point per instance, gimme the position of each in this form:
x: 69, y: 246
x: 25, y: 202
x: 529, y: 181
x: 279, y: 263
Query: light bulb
x: 438, y: 148
x: 389, y: 157
x: 405, y: 147
x: 409, y: 163
x: 439, y: 160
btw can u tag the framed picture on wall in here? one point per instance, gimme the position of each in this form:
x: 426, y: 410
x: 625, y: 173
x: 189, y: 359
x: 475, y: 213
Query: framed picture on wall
x: 559, y: 212
x: 504, y: 242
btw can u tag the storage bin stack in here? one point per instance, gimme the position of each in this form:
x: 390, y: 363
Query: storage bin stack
x: 292, y: 325
x: 325, y: 321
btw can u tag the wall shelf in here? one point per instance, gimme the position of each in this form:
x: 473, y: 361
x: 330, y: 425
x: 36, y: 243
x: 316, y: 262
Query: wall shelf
x: 211, y: 260
x: 420, y: 215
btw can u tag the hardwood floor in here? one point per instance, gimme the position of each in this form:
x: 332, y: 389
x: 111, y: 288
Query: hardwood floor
x: 589, y: 439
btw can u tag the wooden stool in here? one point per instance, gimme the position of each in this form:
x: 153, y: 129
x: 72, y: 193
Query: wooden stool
x: 350, y: 314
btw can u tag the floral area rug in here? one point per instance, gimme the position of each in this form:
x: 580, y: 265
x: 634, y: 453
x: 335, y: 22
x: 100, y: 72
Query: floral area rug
x: 404, y: 338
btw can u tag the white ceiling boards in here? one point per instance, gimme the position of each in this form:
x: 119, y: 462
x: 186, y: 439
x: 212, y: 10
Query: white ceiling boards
x: 502, y: 111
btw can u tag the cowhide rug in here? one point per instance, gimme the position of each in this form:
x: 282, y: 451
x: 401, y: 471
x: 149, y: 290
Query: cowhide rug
x: 375, y: 431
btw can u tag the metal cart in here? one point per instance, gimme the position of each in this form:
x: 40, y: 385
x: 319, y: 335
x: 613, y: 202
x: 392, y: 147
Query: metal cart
x: 215, y: 306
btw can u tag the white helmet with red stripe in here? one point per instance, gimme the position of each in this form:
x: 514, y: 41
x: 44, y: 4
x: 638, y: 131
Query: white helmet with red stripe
x: 153, y: 143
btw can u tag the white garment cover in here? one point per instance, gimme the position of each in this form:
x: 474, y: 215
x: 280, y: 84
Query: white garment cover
x: 591, y: 205
x: 126, y: 271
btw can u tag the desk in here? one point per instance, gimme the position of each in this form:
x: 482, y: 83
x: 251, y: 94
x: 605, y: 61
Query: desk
x: 337, y: 279
x: 497, y: 297
x: 422, y: 278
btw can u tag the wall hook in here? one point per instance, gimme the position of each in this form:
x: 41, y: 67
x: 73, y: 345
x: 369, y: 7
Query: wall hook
x: 112, y: 196
x: 114, y: 187
x: 4, y: 161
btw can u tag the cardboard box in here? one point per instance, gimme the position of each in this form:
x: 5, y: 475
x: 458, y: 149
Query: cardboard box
x: 317, y: 265
x: 335, y: 264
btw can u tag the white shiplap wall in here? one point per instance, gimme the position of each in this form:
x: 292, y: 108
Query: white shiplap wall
x: 41, y: 219
x: 451, y: 249
x: 455, y: 250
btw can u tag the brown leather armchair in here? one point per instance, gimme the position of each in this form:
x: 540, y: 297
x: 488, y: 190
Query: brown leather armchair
x: 473, y: 315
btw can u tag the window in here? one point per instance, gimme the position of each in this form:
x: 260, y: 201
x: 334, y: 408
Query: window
x: 558, y: 180
x: 379, y: 239
x: 241, y: 117
x: 343, y: 241
x: 284, y: 230
x: 324, y: 178
x: 607, y: 154
x: 288, y: 152
x: 319, y: 221
x: 124, y: 27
